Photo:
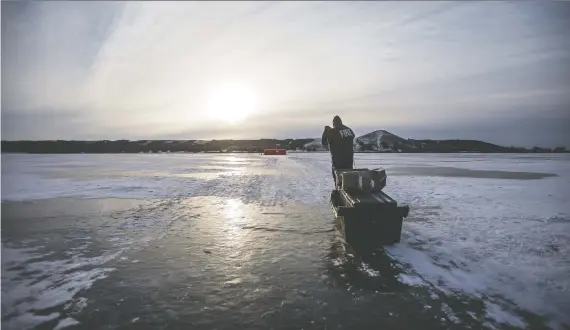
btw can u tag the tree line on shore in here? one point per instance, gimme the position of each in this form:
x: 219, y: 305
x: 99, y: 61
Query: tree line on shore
x: 252, y: 146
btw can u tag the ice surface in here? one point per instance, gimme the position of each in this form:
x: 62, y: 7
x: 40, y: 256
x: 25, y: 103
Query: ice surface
x: 54, y: 283
x: 502, y: 240
x: 29, y: 321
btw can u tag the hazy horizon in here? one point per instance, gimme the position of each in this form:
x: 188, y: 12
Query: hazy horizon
x: 492, y: 71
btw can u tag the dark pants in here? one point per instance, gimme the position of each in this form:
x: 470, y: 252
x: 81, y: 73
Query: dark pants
x: 341, y: 166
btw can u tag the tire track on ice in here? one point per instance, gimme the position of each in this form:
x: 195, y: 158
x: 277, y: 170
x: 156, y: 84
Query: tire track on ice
x: 316, y: 180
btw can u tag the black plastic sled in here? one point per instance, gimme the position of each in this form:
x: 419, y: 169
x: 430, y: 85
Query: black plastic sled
x: 365, y: 215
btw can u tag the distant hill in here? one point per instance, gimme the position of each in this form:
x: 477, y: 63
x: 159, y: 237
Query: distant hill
x: 380, y: 135
x: 149, y: 146
x: 384, y: 141
x: 314, y: 145
x: 377, y: 141
x: 380, y: 141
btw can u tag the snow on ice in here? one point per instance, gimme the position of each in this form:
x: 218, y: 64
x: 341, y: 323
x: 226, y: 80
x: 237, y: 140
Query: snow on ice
x: 475, y: 235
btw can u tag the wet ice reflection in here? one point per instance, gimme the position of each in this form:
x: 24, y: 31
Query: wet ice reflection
x: 233, y: 216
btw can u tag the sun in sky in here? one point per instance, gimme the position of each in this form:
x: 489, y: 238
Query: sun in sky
x: 231, y: 102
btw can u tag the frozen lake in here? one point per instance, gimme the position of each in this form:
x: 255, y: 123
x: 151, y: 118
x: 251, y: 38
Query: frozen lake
x: 204, y: 241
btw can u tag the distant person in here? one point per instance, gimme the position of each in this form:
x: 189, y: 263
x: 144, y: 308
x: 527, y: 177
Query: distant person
x: 339, y: 139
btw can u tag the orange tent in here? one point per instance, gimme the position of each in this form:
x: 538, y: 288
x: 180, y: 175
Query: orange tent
x: 275, y: 152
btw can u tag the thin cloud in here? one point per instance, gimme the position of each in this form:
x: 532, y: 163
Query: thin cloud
x: 145, y: 69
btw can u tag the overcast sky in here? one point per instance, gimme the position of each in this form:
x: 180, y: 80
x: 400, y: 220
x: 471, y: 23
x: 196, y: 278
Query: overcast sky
x: 494, y: 71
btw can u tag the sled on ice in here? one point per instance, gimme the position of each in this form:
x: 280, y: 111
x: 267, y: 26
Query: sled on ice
x: 364, y: 214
